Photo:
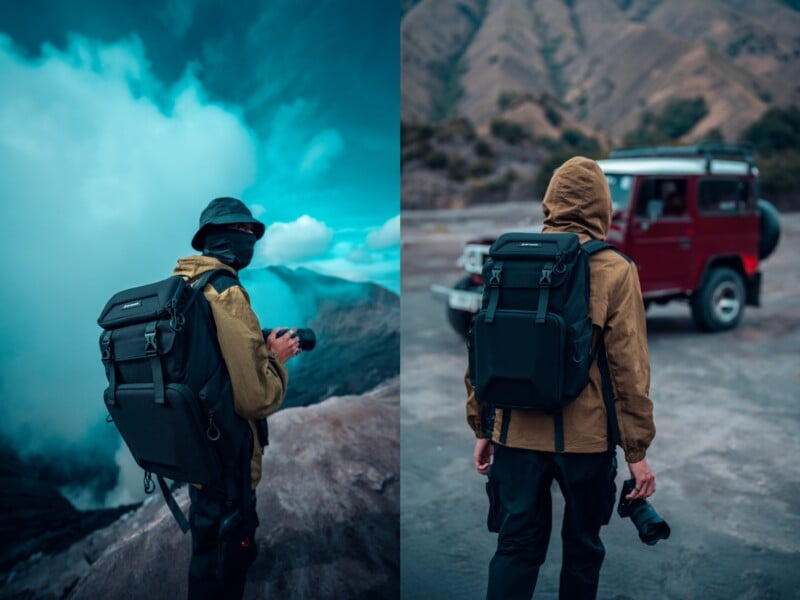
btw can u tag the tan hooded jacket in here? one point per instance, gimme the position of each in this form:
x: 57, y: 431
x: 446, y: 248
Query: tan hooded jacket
x: 578, y: 200
x: 258, y: 378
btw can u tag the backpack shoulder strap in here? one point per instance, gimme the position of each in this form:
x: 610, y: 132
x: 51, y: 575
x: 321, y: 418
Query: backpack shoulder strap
x: 595, y: 246
x: 221, y: 279
x: 612, y: 432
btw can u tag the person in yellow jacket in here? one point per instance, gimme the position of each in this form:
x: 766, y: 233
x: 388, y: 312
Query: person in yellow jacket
x: 226, y: 237
x: 517, y: 450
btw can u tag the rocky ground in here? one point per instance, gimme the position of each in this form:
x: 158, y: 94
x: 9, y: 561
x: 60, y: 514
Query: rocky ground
x: 727, y: 413
x: 328, y: 506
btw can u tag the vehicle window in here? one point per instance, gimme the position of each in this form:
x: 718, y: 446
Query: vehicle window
x: 662, y: 198
x: 724, y: 196
x: 620, y: 186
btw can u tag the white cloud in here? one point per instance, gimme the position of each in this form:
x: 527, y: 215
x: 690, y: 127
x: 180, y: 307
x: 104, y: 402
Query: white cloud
x: 102, y: 188
x: 320, y: 153
x: 297, y: 241
x: 386, y: 236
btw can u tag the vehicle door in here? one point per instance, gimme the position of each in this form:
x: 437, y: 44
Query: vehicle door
x: 727, y: 223
x: 661, y: 236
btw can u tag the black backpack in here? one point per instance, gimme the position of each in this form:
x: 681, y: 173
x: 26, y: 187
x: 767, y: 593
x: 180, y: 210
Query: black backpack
x: 530, y: 344
x: 169, y: 392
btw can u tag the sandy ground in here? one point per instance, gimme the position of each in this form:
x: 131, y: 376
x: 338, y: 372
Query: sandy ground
x: 727, y: 410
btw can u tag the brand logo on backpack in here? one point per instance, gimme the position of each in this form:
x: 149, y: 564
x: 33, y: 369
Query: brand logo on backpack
x: 131, y: 305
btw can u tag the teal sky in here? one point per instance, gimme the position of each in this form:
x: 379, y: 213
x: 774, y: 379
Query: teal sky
x: 301, y: 96
x: 120, y: 121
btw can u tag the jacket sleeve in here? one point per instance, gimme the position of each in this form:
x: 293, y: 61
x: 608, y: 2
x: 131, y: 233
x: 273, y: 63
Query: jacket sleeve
x: 473, y: 409
x: 625, y: 337
x: 258, y: 378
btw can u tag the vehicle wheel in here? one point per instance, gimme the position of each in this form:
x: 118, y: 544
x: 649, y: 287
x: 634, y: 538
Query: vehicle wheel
x: 769, y: 228
x: 461, y: 320
x: 720, y: 302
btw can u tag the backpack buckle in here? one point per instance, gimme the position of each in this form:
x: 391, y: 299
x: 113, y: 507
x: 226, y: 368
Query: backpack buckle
x: 547, y: 275
x: 497, y: 272
x: 106, y: 345
x: 150, y: 343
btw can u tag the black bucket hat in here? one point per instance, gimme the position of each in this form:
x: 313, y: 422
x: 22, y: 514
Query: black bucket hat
x: 225, y: 211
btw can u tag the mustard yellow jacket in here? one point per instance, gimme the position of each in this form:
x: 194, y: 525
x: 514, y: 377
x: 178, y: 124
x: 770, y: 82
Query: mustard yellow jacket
x: 578, y: 200
x: 258, y: 378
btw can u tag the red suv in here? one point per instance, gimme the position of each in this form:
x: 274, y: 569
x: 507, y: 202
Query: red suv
x: 689, y: 217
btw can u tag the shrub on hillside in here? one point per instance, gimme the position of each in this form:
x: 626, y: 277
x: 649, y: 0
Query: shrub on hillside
x: 483, y: 149
x: 457, y: 168
x: 511, y: 132
x: 481, y: 167
x: 776, y: 131
x: 677, y: 118
x: 460, y: 127
x: 436, y: 159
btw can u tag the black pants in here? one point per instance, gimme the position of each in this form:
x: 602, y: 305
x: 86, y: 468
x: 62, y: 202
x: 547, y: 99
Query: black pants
x: 521, y: 512
x: 223, y: 546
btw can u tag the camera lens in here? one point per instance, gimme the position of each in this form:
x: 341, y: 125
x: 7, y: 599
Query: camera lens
x: 307, y: 339
x: 651, y: 527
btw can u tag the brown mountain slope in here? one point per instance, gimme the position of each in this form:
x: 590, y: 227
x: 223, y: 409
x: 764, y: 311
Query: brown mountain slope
x: 607, y: 61
x: 433, y: 37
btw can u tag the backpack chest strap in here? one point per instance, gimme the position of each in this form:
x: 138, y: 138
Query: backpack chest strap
x: 544, y: 292
x: 151, y: 350
x: 494, y: 290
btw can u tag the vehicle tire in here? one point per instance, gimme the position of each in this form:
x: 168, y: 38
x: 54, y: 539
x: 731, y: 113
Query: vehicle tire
x: 461, y: 320
x: 720, y: 302
x: 769, y: 228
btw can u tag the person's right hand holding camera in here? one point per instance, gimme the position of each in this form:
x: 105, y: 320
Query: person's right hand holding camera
x: 283, y: 346
x: 645, y: 480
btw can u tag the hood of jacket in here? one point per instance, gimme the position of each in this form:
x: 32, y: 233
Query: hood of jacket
x: 578, y: 200
x: 194, y: 266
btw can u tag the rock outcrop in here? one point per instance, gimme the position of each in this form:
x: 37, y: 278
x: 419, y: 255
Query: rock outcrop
x: 329, y: 510
x: 358, y: 336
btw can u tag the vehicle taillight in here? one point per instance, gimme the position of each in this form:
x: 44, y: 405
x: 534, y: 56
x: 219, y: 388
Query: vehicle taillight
x: 476, y: 279
x: 750, y: 262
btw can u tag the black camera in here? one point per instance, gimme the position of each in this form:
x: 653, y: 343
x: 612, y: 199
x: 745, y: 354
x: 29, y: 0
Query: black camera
x: 308, y: 340
x: 650, y: 526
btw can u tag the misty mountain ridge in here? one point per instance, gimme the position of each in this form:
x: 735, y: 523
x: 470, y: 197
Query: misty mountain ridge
x: 358, y: 336
x: 600, y: 65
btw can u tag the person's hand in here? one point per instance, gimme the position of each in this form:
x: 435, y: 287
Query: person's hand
x: 483, y: 455
x: 645, y: 480
x: 285, y: 346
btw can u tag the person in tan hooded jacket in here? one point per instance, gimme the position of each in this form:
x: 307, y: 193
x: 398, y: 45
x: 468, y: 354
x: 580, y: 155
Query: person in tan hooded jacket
x: 522, y: 463
x: 256, y: 367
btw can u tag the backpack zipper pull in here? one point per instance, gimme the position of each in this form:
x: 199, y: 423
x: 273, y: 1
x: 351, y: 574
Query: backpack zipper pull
x: 212, y: 433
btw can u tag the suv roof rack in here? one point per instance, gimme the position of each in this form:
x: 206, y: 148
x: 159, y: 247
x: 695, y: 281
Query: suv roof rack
x: 709, y: 151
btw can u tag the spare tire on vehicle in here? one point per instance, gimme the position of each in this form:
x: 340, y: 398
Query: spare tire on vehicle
x: 769, y: 228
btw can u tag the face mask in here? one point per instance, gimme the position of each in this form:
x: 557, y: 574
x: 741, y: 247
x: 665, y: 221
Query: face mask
x: 232, y: 247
